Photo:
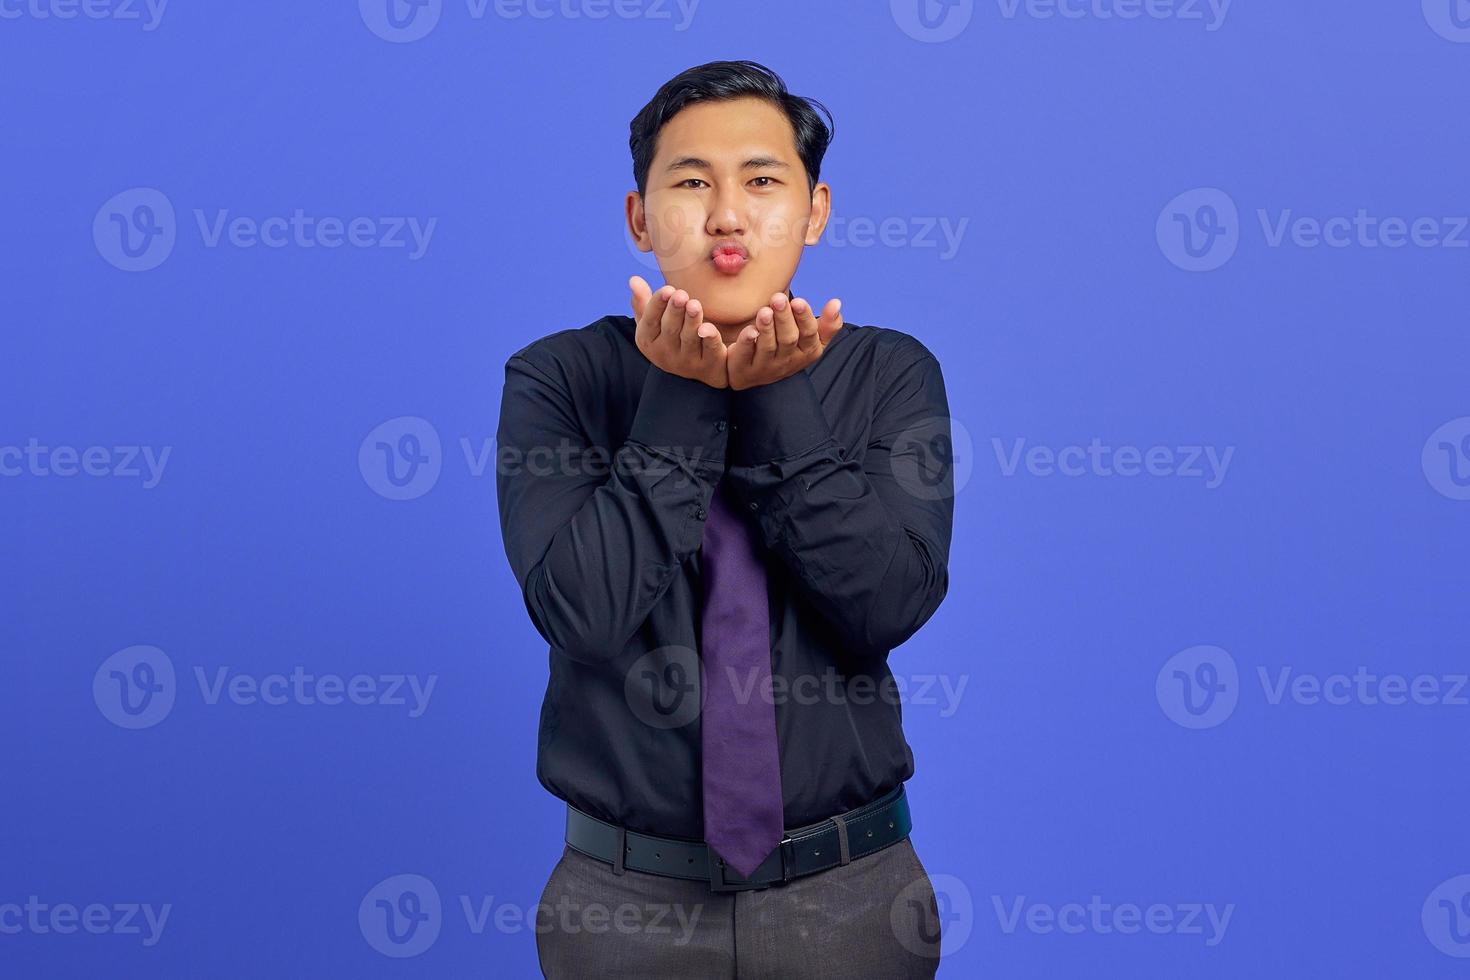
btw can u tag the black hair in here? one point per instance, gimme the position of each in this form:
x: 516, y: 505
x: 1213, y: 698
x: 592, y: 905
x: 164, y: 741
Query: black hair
x: 718, y: 81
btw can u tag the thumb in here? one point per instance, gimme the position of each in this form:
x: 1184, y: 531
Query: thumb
x: 641, y: 294
x: 831, y: 321
x: 713, y: 346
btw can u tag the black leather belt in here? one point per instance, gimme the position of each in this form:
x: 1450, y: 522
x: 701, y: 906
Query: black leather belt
x: 803, y: 851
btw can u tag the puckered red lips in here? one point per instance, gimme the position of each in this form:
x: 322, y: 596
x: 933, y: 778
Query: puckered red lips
x: 729, y: 256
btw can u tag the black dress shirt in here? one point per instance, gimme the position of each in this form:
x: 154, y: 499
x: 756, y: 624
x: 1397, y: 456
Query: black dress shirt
x: 605, y: 467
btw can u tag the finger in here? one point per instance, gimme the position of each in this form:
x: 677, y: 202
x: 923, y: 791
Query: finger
x: 806, y: 324
x: 641, y: 293
x: 709, y: 335
x: 831, y: 321
x: 648, y: 329
x: 765, y: 325
x: 742, y: 352
x: 671, y: 325
x: 786, y: 329
x: 690, y: 339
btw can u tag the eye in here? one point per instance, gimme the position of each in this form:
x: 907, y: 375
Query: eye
x: 771, y: 179
x: 691, y: 180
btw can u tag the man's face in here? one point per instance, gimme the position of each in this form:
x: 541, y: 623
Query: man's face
x: 728, y: 172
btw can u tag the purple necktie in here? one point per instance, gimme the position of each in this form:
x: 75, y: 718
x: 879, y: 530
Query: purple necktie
x: 742, y: 769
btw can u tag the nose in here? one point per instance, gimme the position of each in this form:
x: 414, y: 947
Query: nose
x: 727, y: 212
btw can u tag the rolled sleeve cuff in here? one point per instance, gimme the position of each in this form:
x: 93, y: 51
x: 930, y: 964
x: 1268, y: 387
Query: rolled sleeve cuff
x: 682, y: 415
x: 777, y: 421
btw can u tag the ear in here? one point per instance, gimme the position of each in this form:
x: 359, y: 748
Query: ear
x: 821, y: 211
x: 638, y: 222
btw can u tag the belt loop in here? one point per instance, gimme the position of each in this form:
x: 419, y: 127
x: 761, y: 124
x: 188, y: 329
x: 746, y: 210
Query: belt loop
x: 841, y: 838
x: 621, y: 849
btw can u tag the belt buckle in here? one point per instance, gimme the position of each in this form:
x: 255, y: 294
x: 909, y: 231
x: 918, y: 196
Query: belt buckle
x: 720, y: 879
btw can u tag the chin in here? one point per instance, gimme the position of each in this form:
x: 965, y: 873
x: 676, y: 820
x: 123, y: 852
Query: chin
x: 729, y: 314
x: 735, y: 303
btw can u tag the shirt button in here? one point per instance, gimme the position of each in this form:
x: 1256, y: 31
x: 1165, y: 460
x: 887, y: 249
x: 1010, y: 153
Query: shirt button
x: 720, y: 426
x: 754, y: 505
x: 701, y: 513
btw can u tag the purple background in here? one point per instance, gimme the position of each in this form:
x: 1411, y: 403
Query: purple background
x: 1334, y: 541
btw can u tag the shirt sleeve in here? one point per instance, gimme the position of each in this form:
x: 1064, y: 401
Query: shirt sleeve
x: 868, y: 539
x: 595, y: 537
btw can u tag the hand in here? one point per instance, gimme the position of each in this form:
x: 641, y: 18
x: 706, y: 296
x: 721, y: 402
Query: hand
x: 672, y: 334
x: 785, y: 338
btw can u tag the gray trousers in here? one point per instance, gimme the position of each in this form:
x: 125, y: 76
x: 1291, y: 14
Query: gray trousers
x: 875, y: 917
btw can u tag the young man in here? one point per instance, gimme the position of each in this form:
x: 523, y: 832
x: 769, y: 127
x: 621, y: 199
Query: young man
x: 723, y: 514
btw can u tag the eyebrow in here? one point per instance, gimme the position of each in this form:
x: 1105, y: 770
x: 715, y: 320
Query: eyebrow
x: 754, y: 163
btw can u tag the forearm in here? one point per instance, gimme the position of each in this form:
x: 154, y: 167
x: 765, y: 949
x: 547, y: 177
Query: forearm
x: 593, y: 554
x: 871, y: 554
